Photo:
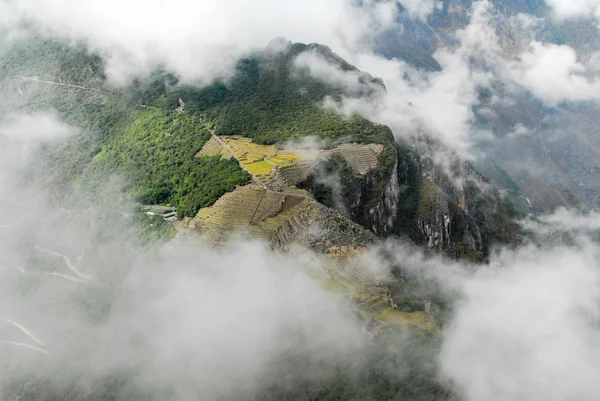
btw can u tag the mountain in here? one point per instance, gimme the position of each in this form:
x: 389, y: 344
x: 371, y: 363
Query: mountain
x: 554, y: 164
x: 258, y: 155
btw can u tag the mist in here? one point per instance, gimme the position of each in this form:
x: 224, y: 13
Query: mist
x: 86, y: 306
x: 526, y: 328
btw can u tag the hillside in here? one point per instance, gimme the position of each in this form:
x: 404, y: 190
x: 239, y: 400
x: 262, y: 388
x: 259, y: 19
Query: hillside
x: 258, y: 157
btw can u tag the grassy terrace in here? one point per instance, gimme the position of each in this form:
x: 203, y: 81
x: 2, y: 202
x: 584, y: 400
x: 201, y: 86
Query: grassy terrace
x: 262, y: 161
x: 214, y: 148
x: 250, y: 210
x: 287, y: 167
x: 361, y: 158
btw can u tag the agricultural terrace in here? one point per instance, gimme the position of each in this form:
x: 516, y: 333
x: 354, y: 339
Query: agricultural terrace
x: 251, y: 209
x: 361, y: 158
x: 287, y: 167
x: 372, y: 301
x: 262, y: 161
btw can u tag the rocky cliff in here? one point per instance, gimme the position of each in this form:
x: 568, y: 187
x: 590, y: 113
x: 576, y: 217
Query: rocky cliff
x: 447, y: 207
x: 450, y: 207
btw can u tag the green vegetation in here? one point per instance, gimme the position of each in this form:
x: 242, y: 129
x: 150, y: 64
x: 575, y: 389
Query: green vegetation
x: 99, y: 113
x: 270, y: 101
x: 156, y: 156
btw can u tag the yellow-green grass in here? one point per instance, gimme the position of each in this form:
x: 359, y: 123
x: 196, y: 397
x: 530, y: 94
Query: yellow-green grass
x: 244, y: 147
x: 250, y: 154
x: 259, y: 168
x: 281, y: 161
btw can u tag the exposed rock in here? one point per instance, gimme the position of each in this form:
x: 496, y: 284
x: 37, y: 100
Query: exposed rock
x: 452, y: 209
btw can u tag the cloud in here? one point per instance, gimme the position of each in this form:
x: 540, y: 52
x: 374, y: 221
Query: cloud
x: 553, y: 74
x: 197, y: 40
x: 83, y: 303
x: 20, y: 136
x: 438, y: 104
x: 568, y: 220
x: 575, y: 8
x: 526, y: 328
x: 420, y: 9
x: 518, y: 130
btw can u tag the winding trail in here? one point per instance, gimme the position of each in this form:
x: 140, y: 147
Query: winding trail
x: 24, y: 330
x: 31, y: 347
x: 36, y: 79
x: 67, y: 277
x: 68, y: 262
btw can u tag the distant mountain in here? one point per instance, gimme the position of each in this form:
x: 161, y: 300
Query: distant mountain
x: 555, y: 164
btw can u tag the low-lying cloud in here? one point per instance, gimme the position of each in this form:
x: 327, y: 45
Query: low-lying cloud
x: 198, y: 41
x: 553, y: 74
x: 526, y: 328
x: 83, y: 306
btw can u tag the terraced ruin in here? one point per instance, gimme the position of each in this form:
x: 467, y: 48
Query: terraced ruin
x: 252, y: 210
x: 361, y: 158
x: 272, y: 167
x: 291, y: 220
x: 214, y: 148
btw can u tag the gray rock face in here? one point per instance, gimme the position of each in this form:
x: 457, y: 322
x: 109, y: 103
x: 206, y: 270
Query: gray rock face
x: 452, y: 210
x: 383, y: 213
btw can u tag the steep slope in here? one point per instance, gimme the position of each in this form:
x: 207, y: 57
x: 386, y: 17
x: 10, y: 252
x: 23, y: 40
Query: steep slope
x: 453, y: 209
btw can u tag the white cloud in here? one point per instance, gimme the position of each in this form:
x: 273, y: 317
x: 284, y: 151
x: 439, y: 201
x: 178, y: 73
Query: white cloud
x: 568, y: 220
x: 21, y: 135
x: 189, y: 320
x: 437, y: 103
x: 526, y: 328
x: 352, y: 82
x: 575, y: 8
x: 199, y: 40
x: 553, y: 73
x: 420, y: 8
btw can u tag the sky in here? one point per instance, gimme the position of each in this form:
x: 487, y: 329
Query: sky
x: 524, y: 328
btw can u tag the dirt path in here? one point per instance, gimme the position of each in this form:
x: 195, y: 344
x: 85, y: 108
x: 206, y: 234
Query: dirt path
x: 36, y: 79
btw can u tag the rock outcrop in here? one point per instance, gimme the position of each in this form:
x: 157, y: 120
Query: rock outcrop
x: 449, y: 208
